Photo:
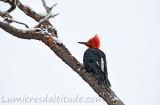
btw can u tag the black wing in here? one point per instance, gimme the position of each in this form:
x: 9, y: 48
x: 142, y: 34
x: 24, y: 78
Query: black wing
x: 95, y: 61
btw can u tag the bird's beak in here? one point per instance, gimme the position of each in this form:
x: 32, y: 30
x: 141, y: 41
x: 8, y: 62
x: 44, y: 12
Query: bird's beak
x: 85, y: 43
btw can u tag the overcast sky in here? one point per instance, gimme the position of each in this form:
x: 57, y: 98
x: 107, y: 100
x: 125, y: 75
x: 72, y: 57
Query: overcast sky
x: 129, y: 31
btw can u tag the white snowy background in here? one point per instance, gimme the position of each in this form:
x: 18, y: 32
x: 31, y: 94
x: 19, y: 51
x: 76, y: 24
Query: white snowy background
x: 129, y: 31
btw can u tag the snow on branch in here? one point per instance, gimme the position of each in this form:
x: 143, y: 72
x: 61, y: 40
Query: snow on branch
x: 28, y: 11
x: 31, y: 13
x: 37, y: 30
x: 57, y: 40
x: 46, y: 18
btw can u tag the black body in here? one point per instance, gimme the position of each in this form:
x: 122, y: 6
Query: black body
x: 95, y: 61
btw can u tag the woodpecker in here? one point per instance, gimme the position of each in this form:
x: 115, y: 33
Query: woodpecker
x: 94, y: 61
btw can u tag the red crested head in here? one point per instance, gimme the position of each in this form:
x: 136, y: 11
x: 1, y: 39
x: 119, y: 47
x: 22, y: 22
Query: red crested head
x: 93, y: 42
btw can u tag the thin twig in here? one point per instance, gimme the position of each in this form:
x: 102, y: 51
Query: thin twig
x: 47, y: 8
x: 10, y: 20
x: 54, y: 15
x: 20, y: 23
x: 53, y: 6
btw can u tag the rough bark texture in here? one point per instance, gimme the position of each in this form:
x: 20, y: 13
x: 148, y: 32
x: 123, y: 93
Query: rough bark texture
x: 59, y: 49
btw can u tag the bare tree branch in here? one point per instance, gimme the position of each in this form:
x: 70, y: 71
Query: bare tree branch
x: 48, y: 9
x: 59, y: 49
x: 45, y: 19
x: 36, y: 17
x: 12, y: 3
x: 28, y: 11
x: 5, y: 14
x: 10, y: 20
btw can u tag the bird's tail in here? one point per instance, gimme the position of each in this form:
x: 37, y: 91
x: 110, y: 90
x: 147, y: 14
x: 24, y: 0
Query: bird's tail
x: 108, y: 82
x: 107, y: 85
x: 100, y: 75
